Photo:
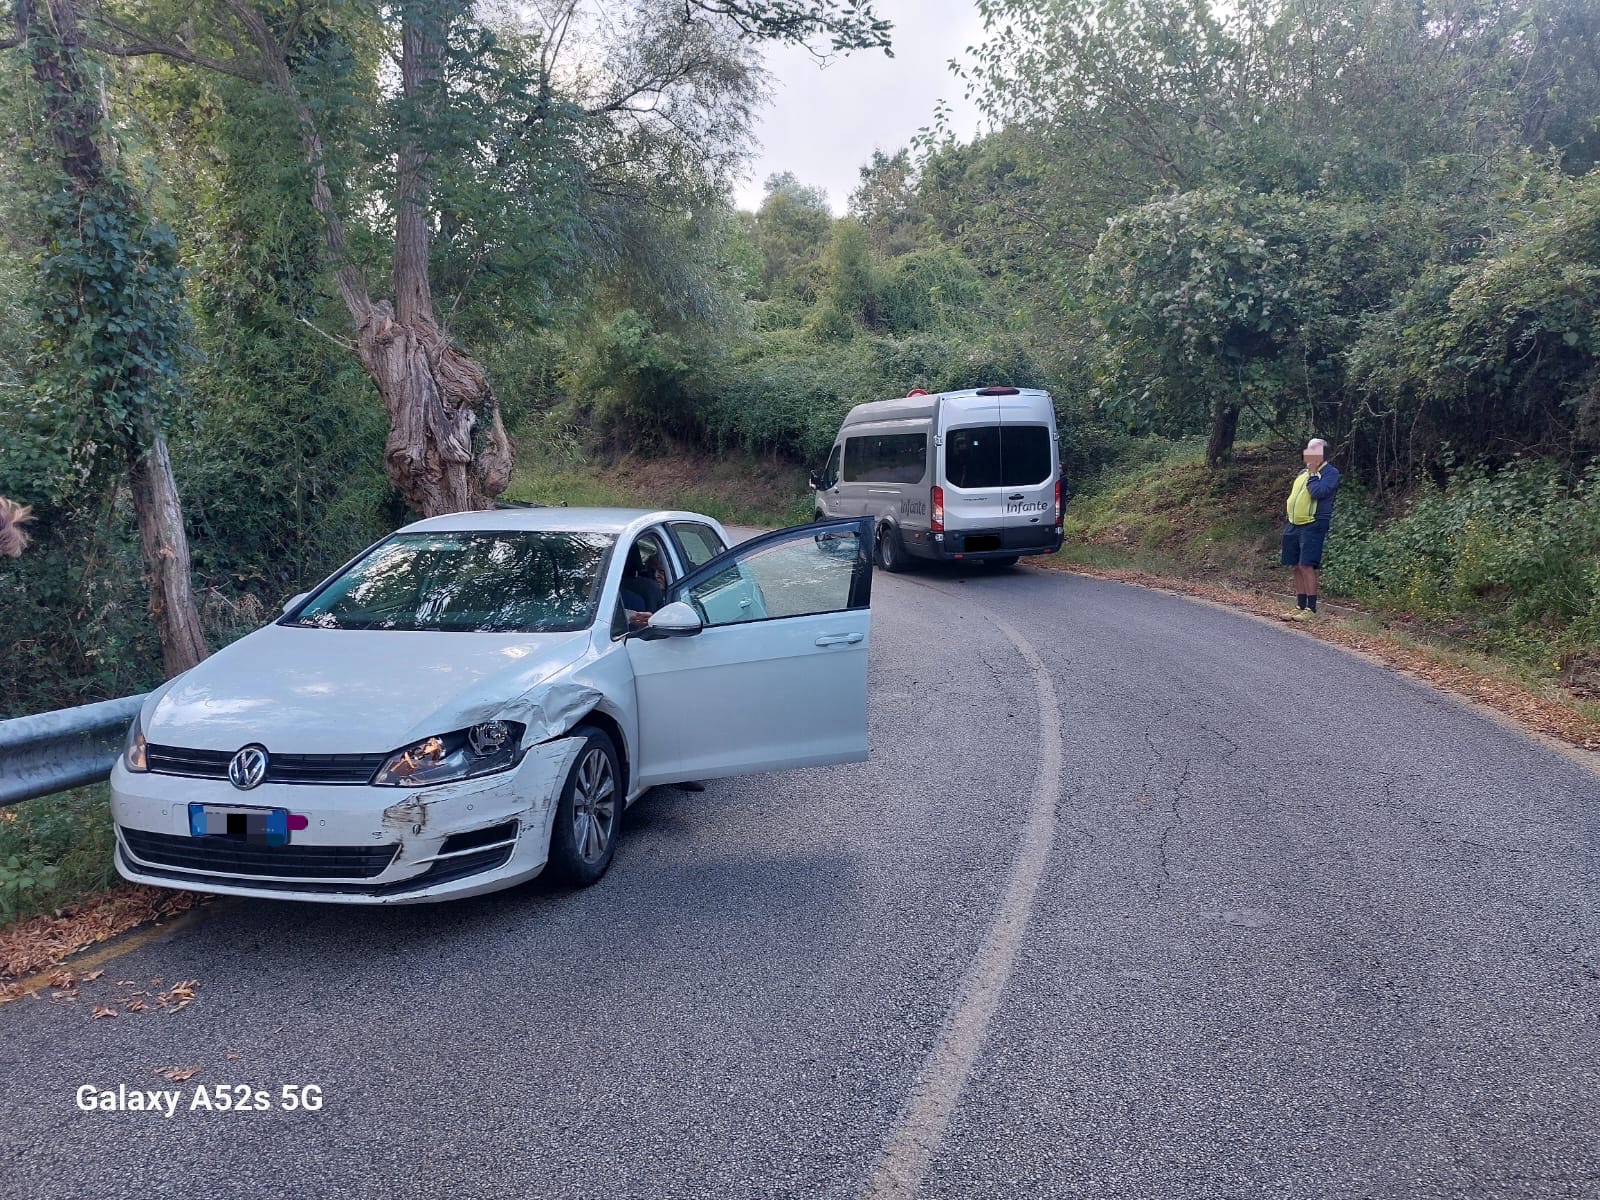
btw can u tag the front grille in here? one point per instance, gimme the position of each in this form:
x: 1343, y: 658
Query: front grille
x: 281, y: 768
x: 443, y: 871
x: 245, y: 858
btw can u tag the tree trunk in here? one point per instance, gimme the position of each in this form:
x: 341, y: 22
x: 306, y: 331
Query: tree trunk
x: 74, y: 117
x: 433, y: 393
x: 447, y: 448
x: 1224, y: 425
x: 165, y: 548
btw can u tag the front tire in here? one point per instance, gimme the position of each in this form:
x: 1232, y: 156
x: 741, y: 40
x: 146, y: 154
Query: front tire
x: 583, y: 836
x: 891, y: 554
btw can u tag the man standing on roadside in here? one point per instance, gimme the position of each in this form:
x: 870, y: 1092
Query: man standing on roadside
x: 1310, y: 506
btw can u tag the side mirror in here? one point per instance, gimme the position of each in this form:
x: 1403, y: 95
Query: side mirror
x: 674, y: 620
x: 816, y: 480
x: 293, y: 600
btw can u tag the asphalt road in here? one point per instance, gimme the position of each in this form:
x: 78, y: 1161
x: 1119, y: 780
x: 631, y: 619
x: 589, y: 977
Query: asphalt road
x: 1135, y: 898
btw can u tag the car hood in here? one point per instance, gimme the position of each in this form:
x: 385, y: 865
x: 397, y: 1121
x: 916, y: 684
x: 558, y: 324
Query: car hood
x: 331, y: 691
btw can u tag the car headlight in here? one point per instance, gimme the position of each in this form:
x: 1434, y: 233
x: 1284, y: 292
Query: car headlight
x: 134, y: 750
x: 481, y: 750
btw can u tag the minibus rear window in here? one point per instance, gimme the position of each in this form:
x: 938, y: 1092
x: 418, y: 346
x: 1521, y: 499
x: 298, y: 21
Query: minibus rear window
x: 985, y: 456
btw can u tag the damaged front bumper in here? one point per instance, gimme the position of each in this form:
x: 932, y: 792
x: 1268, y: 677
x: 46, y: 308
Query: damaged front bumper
x: 358, y: 844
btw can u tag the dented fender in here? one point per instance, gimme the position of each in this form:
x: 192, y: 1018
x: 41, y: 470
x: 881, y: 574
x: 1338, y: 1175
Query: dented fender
x: 532, y: 789
x: 545, y: 712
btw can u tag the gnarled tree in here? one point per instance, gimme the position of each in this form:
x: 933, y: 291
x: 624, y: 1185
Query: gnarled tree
x: 447, y: 448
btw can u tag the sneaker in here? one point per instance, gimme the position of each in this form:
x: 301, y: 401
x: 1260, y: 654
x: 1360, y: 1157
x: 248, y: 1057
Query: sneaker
x: 1298, y: 614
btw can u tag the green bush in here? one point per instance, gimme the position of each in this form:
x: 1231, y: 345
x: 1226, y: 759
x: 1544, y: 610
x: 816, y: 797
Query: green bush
x: 637, y: 384
x: 928, y: 289
x: 785, y: 392
x: 1519, y: 547
x: 53, y: 850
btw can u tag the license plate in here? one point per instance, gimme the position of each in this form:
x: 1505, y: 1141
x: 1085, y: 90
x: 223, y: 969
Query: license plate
x: 258, y: 826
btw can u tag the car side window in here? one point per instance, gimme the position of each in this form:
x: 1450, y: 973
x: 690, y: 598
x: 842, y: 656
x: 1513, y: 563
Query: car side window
x: 797, y: 572
x: 699, y: 543
x: 647, y: 573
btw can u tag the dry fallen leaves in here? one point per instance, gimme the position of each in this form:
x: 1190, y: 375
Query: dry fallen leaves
x: 37, y: 943
x: 103, y: 1010
x: 178, y: 996
x: 178, y: 1074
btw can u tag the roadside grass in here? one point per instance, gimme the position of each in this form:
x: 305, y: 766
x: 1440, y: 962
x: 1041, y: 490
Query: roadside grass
x: 54, y: 851
x: 1490, y: 666
x: 739, y: 489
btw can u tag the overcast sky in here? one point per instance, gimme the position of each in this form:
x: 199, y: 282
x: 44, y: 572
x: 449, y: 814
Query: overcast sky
x: 823, y: 123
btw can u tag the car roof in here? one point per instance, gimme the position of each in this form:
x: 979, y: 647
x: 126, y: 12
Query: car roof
x: 554, y: 519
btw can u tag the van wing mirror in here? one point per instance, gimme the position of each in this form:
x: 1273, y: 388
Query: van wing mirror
x: 816, y: 480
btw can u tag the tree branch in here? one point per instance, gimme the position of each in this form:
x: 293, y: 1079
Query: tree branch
x: 173, y: 50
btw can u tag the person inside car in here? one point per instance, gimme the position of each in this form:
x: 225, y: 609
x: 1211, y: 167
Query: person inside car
x: 642, y: 591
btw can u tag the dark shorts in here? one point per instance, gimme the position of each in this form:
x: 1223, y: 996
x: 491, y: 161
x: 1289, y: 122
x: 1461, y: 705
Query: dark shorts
x: 1302, y: 544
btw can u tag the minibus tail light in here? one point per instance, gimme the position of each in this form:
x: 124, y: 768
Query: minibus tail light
x: 1059, y: 505
x: 936, y: 508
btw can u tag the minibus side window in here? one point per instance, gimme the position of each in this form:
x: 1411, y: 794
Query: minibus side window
x: 830, y: 473
x: 886, y: 458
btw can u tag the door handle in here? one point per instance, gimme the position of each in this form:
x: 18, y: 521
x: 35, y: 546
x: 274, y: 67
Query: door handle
x: 839, y: 639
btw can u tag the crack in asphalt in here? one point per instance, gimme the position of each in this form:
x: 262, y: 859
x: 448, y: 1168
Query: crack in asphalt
x: 1176, y: 815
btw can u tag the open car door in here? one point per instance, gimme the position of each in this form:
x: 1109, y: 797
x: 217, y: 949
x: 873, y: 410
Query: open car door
x: 761, y: 664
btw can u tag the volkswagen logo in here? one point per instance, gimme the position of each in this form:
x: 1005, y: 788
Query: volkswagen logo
x: 248, y: 767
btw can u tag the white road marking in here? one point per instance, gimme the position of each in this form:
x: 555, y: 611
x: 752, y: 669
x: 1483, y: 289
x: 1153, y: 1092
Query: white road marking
x: 910, y: 1150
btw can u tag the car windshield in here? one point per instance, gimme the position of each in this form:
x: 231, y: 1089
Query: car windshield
x: 467, y: 582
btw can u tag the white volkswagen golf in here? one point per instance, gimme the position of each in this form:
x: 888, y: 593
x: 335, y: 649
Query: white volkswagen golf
x: 481, y: 695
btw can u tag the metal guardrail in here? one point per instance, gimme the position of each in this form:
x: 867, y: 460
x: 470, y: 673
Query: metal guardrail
x: 67, y: 748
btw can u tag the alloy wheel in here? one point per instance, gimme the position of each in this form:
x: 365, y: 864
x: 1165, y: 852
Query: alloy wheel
x: 594, y: 805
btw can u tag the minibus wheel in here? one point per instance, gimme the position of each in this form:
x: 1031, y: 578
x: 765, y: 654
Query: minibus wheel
x: 891, y: 554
